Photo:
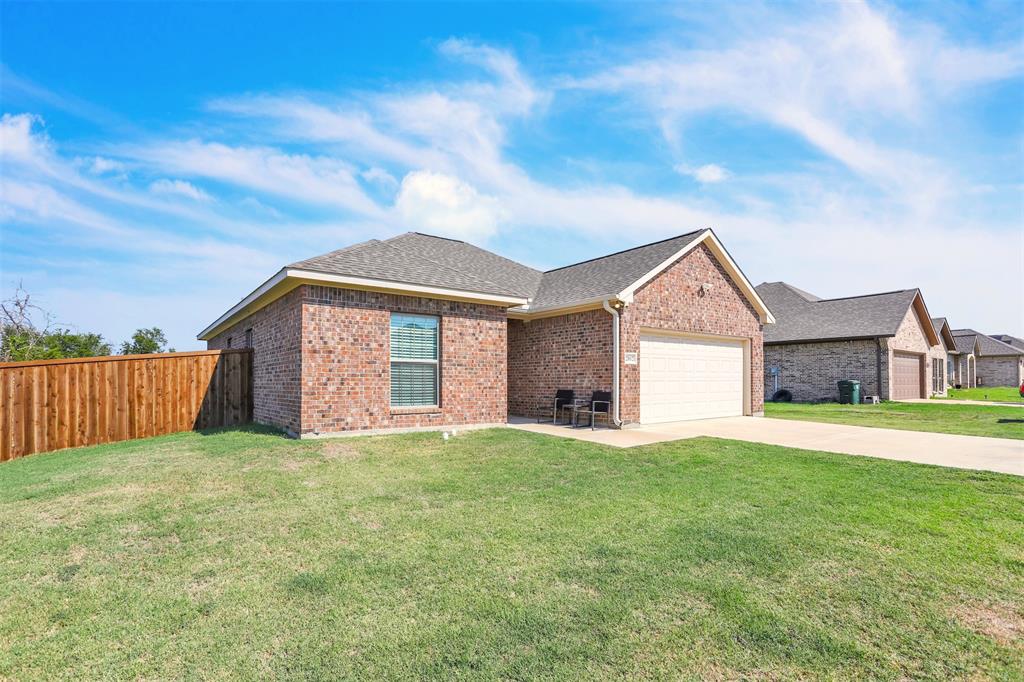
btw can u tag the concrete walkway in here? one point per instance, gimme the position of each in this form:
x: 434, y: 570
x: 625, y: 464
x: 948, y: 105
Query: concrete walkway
x: 968, y: 452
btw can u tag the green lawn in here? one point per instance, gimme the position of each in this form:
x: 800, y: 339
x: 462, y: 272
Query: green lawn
x: 503, y: 554
x: 970, y: 420
x: 1002, y: 394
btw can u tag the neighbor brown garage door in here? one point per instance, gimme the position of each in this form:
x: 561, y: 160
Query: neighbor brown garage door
x: 906, y: 376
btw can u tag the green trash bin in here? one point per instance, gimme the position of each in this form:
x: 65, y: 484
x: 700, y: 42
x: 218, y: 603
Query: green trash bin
x: 849, y: 392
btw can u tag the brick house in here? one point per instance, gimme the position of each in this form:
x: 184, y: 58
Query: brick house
x: 996, y: 363
x: 423, y: 332
x: 964, y: 372
x: 885, y: 341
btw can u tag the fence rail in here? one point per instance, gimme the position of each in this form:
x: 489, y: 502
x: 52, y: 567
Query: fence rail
x: 53, y: 404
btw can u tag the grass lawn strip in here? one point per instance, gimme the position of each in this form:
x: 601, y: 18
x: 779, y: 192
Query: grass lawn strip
x: 503, y: 554
x: 969, y: 420
x: 1001, y: 394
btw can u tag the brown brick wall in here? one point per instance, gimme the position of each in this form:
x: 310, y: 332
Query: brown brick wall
x: 346, y: 362
x: 277, y: 379
x: 810, y: 370
x: 569, y: 351
x: 672, y: 301
x: 999, y: 371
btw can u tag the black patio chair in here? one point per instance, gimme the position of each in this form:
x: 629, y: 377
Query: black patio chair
x: 565, y: 398
x: 600, y: 404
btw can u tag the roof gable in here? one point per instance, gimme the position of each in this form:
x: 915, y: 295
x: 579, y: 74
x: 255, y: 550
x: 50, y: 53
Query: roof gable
x: 605, y: 276
x: 942, y: 330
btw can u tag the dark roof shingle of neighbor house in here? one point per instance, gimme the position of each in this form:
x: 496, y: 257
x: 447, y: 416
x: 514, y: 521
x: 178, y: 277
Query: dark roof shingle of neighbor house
x: 415, y: 258
x: 987, y: 346
x: 800, y: 316
x: 1014, y: 341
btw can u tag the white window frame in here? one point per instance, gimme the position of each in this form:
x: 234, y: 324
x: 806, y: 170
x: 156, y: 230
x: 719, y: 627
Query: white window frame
x: 436, y: 362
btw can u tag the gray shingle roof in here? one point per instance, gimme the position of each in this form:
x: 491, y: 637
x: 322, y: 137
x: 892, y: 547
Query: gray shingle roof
x: 415, y: 258
x: 1014, y: 341
x: 964, y: 342
x: 987, y: 346
x: 606, y: 276
x: 800, y: 316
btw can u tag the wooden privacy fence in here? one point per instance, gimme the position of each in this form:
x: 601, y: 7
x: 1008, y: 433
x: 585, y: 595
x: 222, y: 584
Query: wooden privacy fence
x: 53, y: 404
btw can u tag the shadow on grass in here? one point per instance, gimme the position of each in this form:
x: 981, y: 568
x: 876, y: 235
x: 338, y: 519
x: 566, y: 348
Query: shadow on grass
x: 1010, y: 421
x: 251, y: 428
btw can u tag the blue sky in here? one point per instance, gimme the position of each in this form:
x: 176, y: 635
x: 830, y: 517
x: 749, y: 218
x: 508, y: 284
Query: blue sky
x: 160, y: 161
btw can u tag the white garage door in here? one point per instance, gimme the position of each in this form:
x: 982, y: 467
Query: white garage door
x: 688, y: 378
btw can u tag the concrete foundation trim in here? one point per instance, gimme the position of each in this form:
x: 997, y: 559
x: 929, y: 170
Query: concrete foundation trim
x: 395, y: 431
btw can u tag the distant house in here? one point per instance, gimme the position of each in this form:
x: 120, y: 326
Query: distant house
x: 884, y: 340
x: 964, y: 373
x: 943, y: 356
x: 997, y: 363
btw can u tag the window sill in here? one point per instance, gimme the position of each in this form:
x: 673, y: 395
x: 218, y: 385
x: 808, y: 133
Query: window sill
x: 419, y: 409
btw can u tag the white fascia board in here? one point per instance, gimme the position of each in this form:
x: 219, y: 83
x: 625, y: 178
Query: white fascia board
x: 238, y: 307
x: 528, y: 310
x: 401, y: 287
x: 309, y: 276
x: 719, y: 251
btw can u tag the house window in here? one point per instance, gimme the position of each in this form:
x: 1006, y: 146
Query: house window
x: 414, y: 354
x: 937, y: 375
x: 248, y: 338
x: 229, y: 342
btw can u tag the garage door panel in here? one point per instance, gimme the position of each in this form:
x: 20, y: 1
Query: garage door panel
x: 689, y: 378
x: 907, y: 376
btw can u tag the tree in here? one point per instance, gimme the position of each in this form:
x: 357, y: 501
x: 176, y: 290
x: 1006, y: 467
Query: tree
x: 146, y: 341
x: 64, y: 343
x: 23, y: 326
x: 27, y: 333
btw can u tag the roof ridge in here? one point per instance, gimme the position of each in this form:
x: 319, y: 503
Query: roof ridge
x: 634, y: 248
x: 880, y: 293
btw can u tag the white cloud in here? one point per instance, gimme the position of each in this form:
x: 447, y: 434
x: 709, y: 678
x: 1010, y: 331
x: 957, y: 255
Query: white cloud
x: 19, y: 144
x: 445, y: 205
x: 100, y: 166
x: 179, y: 188
x: 379, y: 176
x: 316, y: 179
x: 707, y: 174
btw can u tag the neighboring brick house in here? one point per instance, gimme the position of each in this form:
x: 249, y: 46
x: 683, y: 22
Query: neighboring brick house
x: 997, y: 363
x: 942, y: 356
x: 422, y: 332
x: 885, y: 341
x: 964, y: 374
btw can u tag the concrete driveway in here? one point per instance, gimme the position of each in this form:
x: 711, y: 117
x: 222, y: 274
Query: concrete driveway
x: 967, y: 452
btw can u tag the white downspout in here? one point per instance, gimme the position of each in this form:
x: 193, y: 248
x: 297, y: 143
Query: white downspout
x: 615, y: 363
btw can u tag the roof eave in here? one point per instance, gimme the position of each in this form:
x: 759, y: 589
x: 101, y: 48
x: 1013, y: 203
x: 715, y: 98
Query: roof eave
x: 866, y: 337
x: 288, y: 278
